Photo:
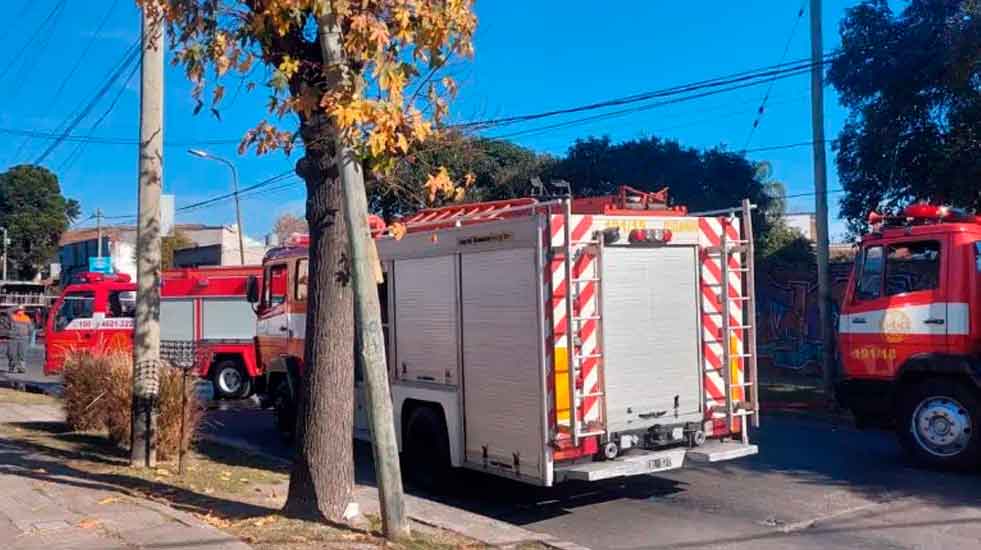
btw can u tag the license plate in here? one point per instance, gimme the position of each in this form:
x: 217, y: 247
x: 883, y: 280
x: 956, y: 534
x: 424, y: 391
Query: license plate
x: 661, y: 463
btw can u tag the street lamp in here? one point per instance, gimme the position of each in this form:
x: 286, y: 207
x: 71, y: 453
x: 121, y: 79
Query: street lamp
x: 238, y: 210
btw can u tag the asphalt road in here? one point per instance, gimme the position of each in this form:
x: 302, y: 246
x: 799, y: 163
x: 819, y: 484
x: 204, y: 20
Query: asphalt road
x: 813, y: 485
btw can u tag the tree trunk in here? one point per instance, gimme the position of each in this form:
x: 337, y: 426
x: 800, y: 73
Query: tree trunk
x: 322, y: 478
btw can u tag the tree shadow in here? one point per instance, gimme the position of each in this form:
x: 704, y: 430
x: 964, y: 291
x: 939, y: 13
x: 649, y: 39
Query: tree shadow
x: 37, y: 461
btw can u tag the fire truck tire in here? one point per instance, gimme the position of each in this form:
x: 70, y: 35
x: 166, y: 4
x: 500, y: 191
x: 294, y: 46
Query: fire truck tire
x: 230, y: 380
x: 285, y: 407
x: 938, y: 425
x: 427, y: 449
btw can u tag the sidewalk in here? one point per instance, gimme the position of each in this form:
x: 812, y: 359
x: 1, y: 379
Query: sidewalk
x: 45, y: 504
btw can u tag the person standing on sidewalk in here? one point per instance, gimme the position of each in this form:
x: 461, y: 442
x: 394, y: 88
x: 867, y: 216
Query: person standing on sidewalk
x: 21, y: 327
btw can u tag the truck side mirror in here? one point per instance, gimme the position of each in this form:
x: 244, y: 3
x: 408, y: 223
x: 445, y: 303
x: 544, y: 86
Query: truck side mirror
x: 252, y: 289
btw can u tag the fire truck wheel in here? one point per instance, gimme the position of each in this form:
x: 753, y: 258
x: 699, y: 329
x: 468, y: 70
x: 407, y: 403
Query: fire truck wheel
x: 427, y: 449
x: 285, y: 408
x: 230, y: 380
x: 938, y: 425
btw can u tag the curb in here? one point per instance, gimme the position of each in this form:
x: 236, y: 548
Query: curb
x: 45, y: 388
x: 533, y: 537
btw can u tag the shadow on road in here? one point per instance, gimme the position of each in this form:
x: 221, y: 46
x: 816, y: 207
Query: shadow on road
x: 868, y: 462
x: 503, y: 499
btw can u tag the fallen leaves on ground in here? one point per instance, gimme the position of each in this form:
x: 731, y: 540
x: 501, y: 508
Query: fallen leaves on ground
x: 89, y: 523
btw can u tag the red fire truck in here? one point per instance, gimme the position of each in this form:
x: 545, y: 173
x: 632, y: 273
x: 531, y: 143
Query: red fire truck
x: 909, y: 333
x: 204, y: 308
x: 546, y: 341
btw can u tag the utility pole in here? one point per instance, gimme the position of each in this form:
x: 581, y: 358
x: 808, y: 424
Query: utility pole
x: 238, y: 208
x: 98, y: 229
x: 368, y: 330
x: 146, y: 335
x: 825, y: 307
x: 6, y: 241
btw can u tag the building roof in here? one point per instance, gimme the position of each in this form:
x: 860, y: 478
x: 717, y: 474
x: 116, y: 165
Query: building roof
x: 91, y: 233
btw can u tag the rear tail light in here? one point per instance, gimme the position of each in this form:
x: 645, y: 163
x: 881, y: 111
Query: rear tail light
x: 650, y: 236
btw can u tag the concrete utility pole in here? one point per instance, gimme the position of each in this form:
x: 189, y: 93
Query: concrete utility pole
x: 395, y: 523
x: 6, y: 242
x: 825, y: 307
x: 146, y: 336
x: 98, y: 231
x: 238, y: 209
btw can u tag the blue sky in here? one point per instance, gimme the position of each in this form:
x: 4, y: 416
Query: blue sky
x: 530, y: 56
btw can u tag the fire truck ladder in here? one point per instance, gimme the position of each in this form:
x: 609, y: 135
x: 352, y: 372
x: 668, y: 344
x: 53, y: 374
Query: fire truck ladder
x: 578, y: 393
x: 749, y: 405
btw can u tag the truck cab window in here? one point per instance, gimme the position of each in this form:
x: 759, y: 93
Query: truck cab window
x: 302, y: 280
x: 77, y: 305
x: 276, y: 286
x: 869, y: 283
x: 122, y: 303
x: 912, y: 267
x: 977, y: 256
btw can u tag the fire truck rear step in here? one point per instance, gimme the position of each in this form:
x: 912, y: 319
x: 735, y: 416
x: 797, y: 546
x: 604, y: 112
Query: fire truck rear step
x: 636, y: 462
x: 717, y: 451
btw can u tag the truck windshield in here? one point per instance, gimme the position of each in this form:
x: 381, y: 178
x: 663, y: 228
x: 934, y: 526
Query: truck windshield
x: 869, y: 284
x: 77, y: 305
x: 912, y: 267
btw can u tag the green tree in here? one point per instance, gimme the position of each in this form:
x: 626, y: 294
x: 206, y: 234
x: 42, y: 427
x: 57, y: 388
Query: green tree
x: 912, y: 84
x: 170, y: 244
x: 35, y: 214
x: 491, y: 169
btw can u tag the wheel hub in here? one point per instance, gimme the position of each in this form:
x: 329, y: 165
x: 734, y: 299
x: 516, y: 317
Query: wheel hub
x: 942, y: 426
x: 230, y: 380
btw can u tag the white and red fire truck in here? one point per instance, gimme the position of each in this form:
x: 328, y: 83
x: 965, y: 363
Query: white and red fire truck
x: 909, y: 334
x: 551, y: 340
x: 205, y: 309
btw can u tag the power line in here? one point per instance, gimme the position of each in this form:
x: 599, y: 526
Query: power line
x: 133, y: 55
x: 647, y: 107
x: 37, y: 52
x: 85, y: 51
x: 766, y: 96
x: 54, y: 11
x: 77, y: 152
x: 775, y: 71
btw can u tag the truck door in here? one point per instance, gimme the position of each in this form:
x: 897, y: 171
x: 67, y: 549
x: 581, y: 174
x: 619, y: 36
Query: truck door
x: 898, y: 306
x: 70, y: 326
x: 273, y: 326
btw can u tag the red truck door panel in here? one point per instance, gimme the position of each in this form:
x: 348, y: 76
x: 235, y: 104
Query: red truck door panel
x: 897, y: 306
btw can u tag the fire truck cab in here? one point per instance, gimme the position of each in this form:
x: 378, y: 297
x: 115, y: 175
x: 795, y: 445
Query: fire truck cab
x: 909, y: 333
x: 202, y: 310
x: 546, y: 341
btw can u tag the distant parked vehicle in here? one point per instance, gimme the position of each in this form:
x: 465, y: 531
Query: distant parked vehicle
x: 910, y: 333
x: 203, y: 311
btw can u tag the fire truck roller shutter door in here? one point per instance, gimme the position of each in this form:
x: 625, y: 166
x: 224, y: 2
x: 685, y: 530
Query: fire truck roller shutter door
x: 427, y: 318
x: 504, y: 400
x: 651, y: 314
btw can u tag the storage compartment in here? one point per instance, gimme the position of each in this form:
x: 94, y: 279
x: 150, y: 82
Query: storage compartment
x: 426, y: 318
x: 502, y: 345
x: 651, y: 337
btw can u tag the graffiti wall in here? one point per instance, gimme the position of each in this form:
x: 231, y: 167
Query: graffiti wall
x: 787, y: 314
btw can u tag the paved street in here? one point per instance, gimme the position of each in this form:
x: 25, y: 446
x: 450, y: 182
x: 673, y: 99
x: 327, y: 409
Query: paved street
x: 35, y: 370
x: 814, y: 485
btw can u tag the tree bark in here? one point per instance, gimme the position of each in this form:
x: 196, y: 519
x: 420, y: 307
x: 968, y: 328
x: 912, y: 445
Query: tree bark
x: 322, y: 479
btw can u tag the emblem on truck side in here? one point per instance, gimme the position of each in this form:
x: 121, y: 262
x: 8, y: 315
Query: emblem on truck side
x: 895, y: 326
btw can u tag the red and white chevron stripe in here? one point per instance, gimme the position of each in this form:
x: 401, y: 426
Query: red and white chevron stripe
x: 710, y: 235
